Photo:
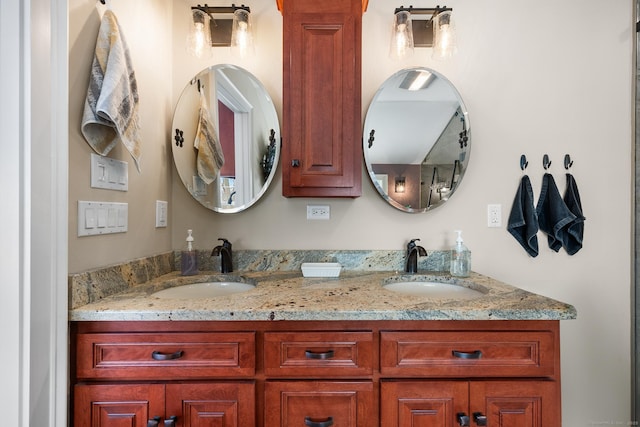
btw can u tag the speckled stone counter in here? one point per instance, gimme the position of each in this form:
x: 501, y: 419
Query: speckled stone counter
x: 355, y: 295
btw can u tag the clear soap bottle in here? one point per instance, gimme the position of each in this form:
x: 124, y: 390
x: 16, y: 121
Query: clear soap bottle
x: 460, y: 258
x: 189, y: 257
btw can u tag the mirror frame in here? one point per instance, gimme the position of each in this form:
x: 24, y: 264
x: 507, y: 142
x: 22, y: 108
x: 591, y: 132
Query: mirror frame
x: 369, y: 139
x: 177, y: 129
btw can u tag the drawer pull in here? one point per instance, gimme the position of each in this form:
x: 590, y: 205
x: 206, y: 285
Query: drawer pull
x: 171, y: 422
x: 154, y: 422
x: 467, y: 354
x: 480, y: 419
x: 156, y: 355
x: 323, y: 355
x: 463, y: 419
x: 311, y: 422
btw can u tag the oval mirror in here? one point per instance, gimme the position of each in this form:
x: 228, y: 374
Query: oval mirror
x: 416, y: 140
x: 225, y: 137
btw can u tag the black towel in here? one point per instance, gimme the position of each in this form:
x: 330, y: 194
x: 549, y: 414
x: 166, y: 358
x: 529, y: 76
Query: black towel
x: 553, y: 213
x: 572, y: 237
x: 523, y: 220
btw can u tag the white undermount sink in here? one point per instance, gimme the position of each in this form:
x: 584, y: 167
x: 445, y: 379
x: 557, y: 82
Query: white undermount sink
x: 432, y: 289
x: 204, y: 290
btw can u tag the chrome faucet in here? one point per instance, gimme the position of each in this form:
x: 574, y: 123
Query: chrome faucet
x: 226, y: 259
x: 413, y: 251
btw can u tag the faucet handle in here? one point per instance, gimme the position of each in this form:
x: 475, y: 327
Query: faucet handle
x: 225, y: 243
x: 412, y: 244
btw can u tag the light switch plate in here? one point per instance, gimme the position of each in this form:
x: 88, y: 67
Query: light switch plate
x: 162, y: 208
x: 102, y: 218
x: 109, y: 174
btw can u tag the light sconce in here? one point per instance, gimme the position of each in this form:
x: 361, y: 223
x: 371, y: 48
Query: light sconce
x: 400, y: 184
x: 206, y: 31
x: 438, y: 32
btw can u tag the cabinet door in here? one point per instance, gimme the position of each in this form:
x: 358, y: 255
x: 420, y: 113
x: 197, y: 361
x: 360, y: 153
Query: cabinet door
x: 319, y: 404
x: 423, y: 403
x: 516, y: 403
x: 322, y: 147
x: 212, y: 404
x: 130, y: 405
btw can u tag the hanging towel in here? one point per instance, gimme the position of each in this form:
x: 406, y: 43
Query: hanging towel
x: 210, y: 157
x: 111, y: 106
x: 572, y: 237
x: 553, y: 213
x: 523, y: 220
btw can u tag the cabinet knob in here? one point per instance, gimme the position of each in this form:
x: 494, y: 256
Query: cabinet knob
x: 295, y: 163
x: 467, y: 354
x: 171, y: 421
x: 322, y: 355
x: 156, y: 355
x: 480, y: 419
x: 463, y: 419
x: 314, y: 422
x: 154, y: 422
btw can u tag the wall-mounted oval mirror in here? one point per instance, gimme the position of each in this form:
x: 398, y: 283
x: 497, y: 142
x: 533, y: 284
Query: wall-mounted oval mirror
x: 416, y: 140
x: 225, y: 138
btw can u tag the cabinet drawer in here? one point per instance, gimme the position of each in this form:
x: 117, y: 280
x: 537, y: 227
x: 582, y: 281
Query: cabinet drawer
x: 320, y: 404
x: 307, y: 354
x: 469, y: 354
x: 165, y: 355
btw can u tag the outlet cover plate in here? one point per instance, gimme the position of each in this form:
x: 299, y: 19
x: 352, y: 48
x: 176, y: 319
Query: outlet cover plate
x: 318, y: 212
x: 494, y: 215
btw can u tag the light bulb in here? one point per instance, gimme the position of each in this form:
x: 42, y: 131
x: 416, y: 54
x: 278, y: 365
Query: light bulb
x: 199, y: 38
x: 241, y: 37
x: 444, y: 45
x: 401, y: 36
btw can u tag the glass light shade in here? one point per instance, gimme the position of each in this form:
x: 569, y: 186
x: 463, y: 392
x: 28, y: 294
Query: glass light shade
x: 401, y: 36
x: 444, y: 36
x: 242, y: 34
x: 199, y: 37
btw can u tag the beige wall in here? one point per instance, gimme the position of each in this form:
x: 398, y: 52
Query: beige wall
x: 536, y: 78
x: 146, y: 25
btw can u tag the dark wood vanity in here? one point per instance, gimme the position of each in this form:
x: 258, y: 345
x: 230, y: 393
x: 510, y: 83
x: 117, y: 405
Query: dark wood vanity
x: 310, y: 373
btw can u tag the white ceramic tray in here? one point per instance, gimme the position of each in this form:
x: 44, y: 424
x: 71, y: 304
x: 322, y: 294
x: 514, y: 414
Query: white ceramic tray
x: 321, y: 269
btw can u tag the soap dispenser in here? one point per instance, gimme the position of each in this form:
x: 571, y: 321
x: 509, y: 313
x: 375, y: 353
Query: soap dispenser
x: 189, y: 257
x: 460, y: 258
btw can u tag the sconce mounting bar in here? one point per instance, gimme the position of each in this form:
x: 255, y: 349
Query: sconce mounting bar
x: 423, y: 10
x: 220, y: 9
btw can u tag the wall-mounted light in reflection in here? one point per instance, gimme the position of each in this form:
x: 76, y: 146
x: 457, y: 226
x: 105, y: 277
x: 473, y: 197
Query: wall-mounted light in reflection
x: 400, y: 184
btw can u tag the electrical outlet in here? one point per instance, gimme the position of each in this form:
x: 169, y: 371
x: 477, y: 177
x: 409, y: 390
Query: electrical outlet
x: 318, y: 212
x: 494, y: 215
x: 161, y: 213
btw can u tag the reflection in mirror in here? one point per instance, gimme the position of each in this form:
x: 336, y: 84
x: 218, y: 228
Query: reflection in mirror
x: 416, y: 140
x: 226, y: 158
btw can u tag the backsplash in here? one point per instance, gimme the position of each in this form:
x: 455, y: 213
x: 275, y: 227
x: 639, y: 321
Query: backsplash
x: 93, y: 285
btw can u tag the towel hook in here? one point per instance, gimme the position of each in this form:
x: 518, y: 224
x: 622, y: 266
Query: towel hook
x: 546, y: 163
x: 567, y: 162
x: 523, y: 162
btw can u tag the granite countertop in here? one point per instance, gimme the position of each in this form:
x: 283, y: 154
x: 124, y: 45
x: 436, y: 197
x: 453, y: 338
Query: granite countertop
x: 355, y: 295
